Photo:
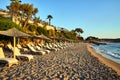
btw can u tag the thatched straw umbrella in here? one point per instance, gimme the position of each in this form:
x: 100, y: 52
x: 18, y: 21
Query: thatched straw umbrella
x: 42, y: 37
x: 13, y: 32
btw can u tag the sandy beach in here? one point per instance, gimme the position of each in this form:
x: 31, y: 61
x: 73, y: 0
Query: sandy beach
x: 72, y: 63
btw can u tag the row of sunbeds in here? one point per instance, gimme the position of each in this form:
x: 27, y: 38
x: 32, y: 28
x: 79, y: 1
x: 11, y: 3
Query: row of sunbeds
x: 31, y: 48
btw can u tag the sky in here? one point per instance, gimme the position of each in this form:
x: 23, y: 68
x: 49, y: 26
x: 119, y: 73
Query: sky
x: 98, y: 18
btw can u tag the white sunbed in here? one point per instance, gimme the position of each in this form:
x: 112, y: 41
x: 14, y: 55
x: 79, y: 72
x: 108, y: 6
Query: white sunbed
x: 7, y: 61
x: 36, y: 51
x: 21, y: 48
x: 20, y: 56
x: 47, y: 51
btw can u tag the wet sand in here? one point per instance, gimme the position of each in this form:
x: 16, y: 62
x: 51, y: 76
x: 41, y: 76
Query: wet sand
x: 71, y: 63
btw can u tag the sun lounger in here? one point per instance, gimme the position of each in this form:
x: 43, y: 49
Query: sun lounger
x: 22, y: 56
x: 36, y: 51
x: 7, y: 61
x: 10, y: 47
x: 52, y: 47
x: 47, y: 51
x: 49, y: 48
x: 21, y: 48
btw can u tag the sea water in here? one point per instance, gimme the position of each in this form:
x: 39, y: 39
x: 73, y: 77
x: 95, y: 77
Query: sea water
x: 110, y: 51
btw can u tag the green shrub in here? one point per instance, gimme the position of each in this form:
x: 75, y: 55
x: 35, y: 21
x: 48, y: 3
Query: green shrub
x: 7, y: 24
x: 41, y: 30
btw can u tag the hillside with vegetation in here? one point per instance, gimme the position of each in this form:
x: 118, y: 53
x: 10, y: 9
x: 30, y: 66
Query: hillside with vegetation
x: 23, y: 17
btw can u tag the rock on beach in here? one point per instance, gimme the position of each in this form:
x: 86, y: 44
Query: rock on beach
x: 71, y: 63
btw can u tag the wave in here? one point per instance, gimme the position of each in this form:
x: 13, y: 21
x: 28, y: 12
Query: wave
x: 113, y: 54
x: 108, y: 50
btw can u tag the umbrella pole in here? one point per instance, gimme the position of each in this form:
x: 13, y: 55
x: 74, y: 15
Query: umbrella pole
x: 14, y: 46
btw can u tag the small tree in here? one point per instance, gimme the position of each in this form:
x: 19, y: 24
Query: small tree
x: 79, y: 30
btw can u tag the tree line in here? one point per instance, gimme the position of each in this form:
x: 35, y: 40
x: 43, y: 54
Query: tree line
x: 23, y: 12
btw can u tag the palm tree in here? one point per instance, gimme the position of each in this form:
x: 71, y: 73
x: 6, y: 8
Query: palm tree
x: 79, y: 30
x: 28, y: 13
x: 14, y: 9
x: 49, y: 17
x: 35, y: 11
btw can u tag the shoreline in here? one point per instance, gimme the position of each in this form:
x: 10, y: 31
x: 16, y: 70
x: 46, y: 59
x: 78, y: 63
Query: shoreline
x: 115, y: 66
